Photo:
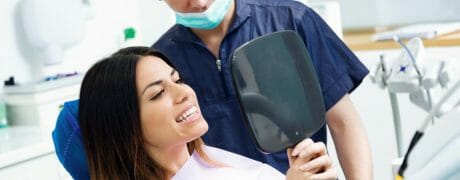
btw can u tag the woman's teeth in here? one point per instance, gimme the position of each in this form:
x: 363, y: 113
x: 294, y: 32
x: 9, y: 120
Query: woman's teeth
x: 183, y: 118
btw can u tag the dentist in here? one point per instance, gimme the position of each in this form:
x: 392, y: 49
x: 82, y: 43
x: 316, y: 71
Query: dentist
x: 201, y: 44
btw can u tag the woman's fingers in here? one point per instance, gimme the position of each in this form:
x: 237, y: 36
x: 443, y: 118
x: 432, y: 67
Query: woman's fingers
x: 299, y: 147
x: 309, y: 160
x: 313, y: 150
x: 317, y: 165
x: 290, y: 158
x: 293, y: 154
x: 330, y: 173
x: 307, y: 151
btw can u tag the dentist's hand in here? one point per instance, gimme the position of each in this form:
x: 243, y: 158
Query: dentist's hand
x: 309, y: 160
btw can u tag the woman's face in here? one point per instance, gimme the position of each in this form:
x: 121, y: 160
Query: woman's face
x: 189, y: 6
x: 170, y: 114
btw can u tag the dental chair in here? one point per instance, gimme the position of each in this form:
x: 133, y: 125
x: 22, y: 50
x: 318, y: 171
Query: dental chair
x: 68, y: 143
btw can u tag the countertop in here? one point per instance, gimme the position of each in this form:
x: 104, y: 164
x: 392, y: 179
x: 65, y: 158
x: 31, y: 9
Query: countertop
x: 361, y: 40
x: 18, y: 144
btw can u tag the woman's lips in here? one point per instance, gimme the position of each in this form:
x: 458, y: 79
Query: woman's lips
x: 189, y: 115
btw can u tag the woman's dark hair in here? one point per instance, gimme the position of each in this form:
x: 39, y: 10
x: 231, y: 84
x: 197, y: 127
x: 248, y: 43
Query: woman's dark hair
x: 109, y: 118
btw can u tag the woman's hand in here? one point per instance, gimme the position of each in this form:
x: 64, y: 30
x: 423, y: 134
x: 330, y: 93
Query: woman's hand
x: 309, y: 160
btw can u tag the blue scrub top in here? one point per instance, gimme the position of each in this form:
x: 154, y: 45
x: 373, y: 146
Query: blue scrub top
x: 339, y: 72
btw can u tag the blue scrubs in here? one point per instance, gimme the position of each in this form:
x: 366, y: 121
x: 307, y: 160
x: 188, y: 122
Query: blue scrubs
x: 338, y: 69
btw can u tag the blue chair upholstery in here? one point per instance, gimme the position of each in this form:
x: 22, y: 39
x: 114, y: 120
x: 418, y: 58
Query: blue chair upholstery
x: 67, y: 142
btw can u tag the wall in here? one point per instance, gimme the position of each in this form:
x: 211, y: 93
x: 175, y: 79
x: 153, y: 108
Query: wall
x: 369, y: 13
x: 391, y: 12
x: 103, y: 35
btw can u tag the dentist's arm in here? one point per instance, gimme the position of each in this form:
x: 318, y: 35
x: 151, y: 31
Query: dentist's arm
x: 350, y: 140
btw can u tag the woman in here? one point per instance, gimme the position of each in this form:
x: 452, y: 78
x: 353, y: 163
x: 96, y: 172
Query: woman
x: 140, y: 121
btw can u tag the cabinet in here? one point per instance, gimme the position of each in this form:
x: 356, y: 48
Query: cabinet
x: 42, y: 167
x: 28, y: 153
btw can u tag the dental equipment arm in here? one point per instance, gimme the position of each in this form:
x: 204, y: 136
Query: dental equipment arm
x: 380, y: 76
x: 436, y: 154
x: 409, y: 73
x: 421, y: 130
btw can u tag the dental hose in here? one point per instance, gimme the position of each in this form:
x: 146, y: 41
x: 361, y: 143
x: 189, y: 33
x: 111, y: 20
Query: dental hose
x: 421, y: 130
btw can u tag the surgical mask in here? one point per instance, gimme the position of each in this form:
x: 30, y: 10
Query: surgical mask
x: 208, y: 19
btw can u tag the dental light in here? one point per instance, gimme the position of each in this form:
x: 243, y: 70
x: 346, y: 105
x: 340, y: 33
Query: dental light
x: 51, y: 26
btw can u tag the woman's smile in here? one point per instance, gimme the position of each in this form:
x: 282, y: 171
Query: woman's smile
x: 189, y: 115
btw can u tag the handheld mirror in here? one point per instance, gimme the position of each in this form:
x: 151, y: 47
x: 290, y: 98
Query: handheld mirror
x: 278, y: 90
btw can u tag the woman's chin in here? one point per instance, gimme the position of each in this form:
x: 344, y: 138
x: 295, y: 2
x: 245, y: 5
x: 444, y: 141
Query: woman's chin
x: 201, y: 129
x: 205, y: 128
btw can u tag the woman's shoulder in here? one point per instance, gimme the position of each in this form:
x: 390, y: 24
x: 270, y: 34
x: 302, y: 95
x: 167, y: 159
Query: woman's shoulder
x: 239, y: 164
x: 235, y: 167
x: 230, y: 158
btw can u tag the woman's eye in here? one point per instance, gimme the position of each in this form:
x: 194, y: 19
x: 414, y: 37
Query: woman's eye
x: 180, y: 81
x: 158, y: 95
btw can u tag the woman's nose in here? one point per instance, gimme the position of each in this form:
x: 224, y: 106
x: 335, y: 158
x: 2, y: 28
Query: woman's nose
x: 181, y: 93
